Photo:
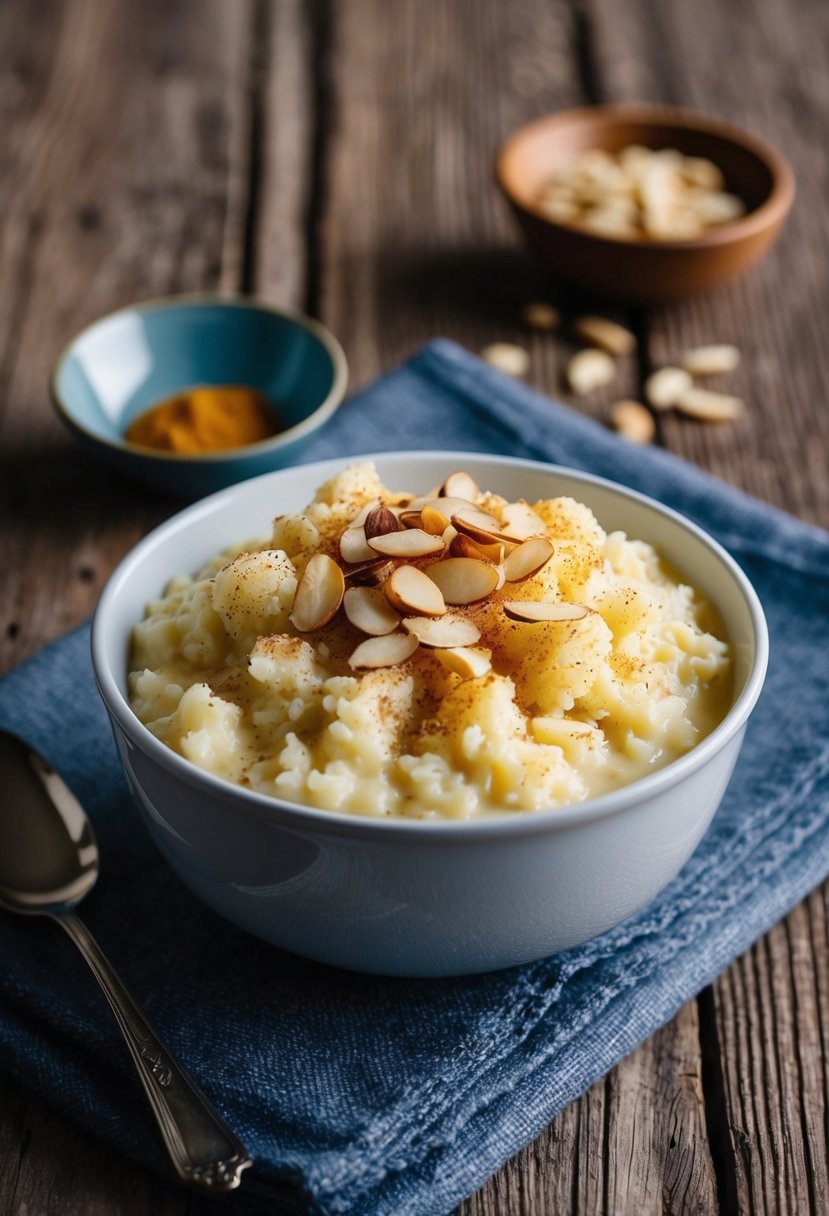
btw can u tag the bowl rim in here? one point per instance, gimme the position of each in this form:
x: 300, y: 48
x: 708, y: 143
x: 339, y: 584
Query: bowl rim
x: 773, y: 208
x: 496, y: 824
x: 326, y: 339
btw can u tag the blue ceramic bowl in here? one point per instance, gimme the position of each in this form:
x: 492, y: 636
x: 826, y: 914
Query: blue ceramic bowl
x: 118, y: 367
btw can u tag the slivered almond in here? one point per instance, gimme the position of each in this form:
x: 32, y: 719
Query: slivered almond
x: 606, y: 334
x: 538, y: 314
x: 465, y: 546
x: 474, y: 515
x: 711, y: 360
x: 662, y: 388
x: 370, y: 611
x: 535, y: 611
x: 464, y: 580
x: 410, y: 590
x: 465, y: 662
x: 633, y: 421
x: 370, y: 573
x: 701, y: 403
x: 508, y: 358
x: 483, y: 535
x: 527, y: 559
x: 520, y: 521
x: 354, y: 546
x: 411, y: 542
x: 433, y: 521
x: 502, y: 578
x: 450, y: 506
x: 449, y: 534
x: 446, y: 632
x: 318, y: 594
x: 380, y: 521
x: 460, y: 485
x: 589, y: 370
x: 410, y: 519
x: 386, y: 651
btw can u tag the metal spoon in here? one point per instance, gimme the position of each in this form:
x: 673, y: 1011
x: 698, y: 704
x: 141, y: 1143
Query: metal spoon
x: 48, y: 863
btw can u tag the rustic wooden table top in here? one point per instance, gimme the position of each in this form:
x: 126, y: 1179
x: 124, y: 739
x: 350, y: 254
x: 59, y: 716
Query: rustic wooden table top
x: 336, y: 155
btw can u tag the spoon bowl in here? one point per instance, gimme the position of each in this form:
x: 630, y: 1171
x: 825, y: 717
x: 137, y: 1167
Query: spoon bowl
x: 49, y: 857
x: 48, y: 862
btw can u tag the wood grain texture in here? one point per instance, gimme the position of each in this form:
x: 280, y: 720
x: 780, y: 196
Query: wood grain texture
x: 322, y: 153
x: 50, y: 1168
x: 111, y: 195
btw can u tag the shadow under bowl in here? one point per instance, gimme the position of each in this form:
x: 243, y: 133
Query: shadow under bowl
x: 646, y: 271
x: 120, y: 366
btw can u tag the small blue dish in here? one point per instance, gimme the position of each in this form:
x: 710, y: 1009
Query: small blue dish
x: 120, y: 366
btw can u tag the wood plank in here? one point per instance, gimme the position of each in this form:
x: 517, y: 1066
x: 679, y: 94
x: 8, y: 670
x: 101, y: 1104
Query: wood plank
x: 48, y: 1167
x: 112, y: 195
x: 638, y: 1139
x: 772, y: 1021
x: 281, y: 188
x: 768, y: 1020
x: 416, y: 241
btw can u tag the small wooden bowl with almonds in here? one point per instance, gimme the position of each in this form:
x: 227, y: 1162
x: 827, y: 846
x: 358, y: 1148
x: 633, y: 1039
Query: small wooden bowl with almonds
x: 644, y: 204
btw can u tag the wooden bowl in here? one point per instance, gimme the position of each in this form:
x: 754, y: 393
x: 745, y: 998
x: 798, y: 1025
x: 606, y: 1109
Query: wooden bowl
x: 646, y: 271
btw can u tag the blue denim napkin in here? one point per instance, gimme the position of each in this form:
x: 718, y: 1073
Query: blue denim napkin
x: 366, y: 1095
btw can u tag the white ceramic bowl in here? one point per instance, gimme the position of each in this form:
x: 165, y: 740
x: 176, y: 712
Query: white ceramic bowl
x: 405, y: 897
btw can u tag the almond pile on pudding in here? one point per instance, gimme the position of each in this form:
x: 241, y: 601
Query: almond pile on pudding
x: 401, y: 605
x: 440, y: 655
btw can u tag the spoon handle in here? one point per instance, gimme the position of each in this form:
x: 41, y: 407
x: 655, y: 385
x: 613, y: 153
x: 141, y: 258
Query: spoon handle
x: 205, y: 1154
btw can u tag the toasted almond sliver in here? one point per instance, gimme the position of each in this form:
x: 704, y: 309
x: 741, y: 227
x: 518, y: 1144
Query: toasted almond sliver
x: 700, y: 171
x: 540, y: 315
x: 527, y: 559
x: 410, y: 590
x: 540, y: 610
x: 633, y: 421
x: 354, y: 546
x: 369, y: 610
x: 663, y: 388
x: 589, y: 370
x: 447, y: 505
x: 701, y: 403
x: 460, y: 485
x: 467, y: 510
x: 318, y: 594
x: 410, y: 518
x: 465, y: 546
x: 465, y: 661
x: 483, y: 534
x: 386, y: 651
x: 606, y: 334
x: 380, y: 521
x: 446, y: 632
x: 370, y: 573
x: 520, y: 521
x: 711, y: 360
x: 508, y: 358
x: 433, y: 521
x: 411, y: 542
x: 464, y: 580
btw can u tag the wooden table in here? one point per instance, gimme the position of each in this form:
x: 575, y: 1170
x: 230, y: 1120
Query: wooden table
x: 337, y: 156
